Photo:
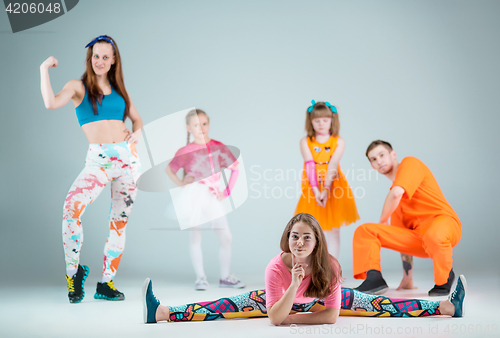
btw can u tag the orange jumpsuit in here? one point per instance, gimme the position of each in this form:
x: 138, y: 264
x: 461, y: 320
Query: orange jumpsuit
x: 423, y: 225
x: 340, y: 208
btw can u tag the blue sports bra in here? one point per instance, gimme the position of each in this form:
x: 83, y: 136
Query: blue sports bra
x: 112, y: 107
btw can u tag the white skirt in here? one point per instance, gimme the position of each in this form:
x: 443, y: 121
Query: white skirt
x: 194, y: 204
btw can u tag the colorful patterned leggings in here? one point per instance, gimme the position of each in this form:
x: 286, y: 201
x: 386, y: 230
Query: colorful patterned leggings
x: 116, y: 163
x: 354, y: 303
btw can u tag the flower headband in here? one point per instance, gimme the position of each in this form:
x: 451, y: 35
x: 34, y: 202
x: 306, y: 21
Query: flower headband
x: 333, y: 108
x: 100, y: 38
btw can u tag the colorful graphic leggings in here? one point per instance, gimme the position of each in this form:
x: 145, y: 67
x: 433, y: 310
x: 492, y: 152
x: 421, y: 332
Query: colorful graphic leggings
x: 354, y: 303
x: 116, y: 163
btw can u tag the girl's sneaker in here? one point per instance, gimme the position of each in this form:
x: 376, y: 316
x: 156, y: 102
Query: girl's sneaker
x: 201, y: 284
x: 76, y: 292
x: 231, y: 282
x: 149, y: 302
x: 458, y: 296
x: 108, y: 291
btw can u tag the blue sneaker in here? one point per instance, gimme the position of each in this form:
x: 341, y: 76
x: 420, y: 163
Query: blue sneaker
x: 149, y: 302
x: 458, y: 296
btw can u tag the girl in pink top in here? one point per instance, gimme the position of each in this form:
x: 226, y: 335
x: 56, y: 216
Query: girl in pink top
x: 302, y: 286
x: 200, y: 201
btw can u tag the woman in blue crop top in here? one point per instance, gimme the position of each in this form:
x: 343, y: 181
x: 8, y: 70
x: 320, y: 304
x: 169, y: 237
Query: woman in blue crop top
x: 102, y: 104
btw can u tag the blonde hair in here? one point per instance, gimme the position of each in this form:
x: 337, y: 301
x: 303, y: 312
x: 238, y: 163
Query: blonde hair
x: 190, y: 115
x: 320, y: 109
x: 188, y: 119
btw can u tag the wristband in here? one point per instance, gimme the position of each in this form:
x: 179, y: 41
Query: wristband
x: 311, y: 173
x: 231, y: 183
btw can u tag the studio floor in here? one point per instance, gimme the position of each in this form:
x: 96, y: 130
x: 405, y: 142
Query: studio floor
x: 46, y: 312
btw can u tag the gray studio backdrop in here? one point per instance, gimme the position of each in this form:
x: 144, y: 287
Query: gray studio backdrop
x: 420, y: 74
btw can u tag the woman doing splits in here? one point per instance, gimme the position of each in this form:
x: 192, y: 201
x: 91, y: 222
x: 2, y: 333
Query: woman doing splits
x: 302, y: 286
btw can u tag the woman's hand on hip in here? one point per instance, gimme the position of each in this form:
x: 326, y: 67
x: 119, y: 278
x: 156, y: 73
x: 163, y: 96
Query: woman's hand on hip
x: 132, y: 137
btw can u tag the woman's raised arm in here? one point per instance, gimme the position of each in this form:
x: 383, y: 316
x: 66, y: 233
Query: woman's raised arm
x: 64, y: 96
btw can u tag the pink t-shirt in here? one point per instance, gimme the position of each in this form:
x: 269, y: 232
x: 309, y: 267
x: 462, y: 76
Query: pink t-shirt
x: 204, y: 162
x: 278, y: 279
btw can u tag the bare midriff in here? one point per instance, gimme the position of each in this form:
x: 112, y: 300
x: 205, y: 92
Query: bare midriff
x: 105, y: 131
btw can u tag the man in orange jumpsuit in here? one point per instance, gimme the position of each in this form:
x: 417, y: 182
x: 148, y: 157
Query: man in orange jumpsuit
x: 422, y: 224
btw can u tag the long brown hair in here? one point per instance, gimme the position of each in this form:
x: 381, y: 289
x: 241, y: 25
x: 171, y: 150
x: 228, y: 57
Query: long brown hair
x: 115, y: 77
x: 322, y: 110
x: 326, y: 270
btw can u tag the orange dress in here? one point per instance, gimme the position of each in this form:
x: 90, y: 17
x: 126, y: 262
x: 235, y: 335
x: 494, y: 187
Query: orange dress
x: 340, y: 207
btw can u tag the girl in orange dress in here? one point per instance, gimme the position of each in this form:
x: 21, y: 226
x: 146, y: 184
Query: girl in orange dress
x: 325, y: 192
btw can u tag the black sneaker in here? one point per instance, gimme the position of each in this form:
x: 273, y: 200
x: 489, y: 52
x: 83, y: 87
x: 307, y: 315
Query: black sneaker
x: 108, y: 291
x: 76, y: 292
x: 443, y: 290
x: 374, y: 284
